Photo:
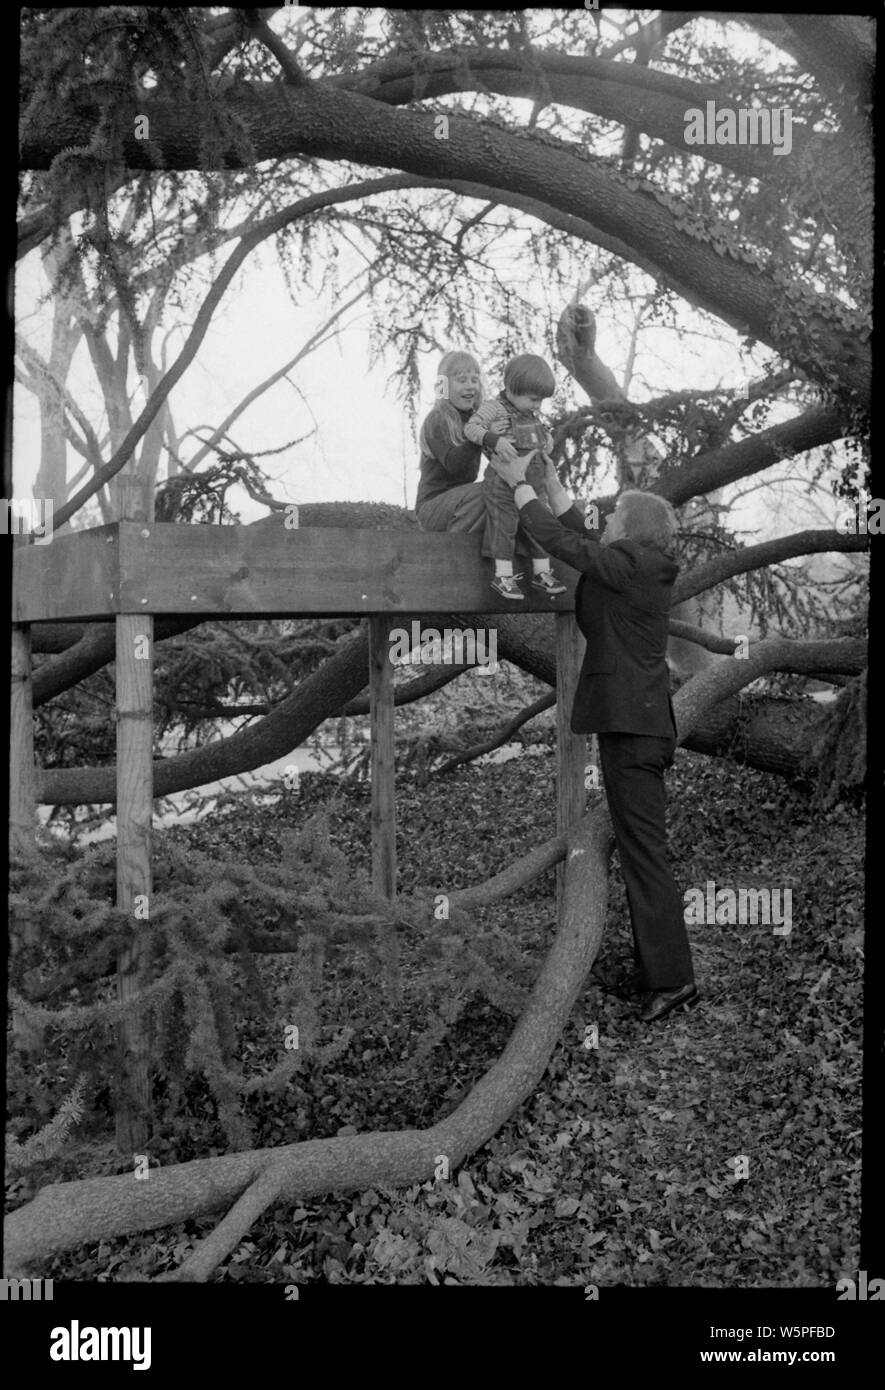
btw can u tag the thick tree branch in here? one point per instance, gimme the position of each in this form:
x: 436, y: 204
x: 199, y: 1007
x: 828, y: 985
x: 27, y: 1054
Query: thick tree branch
x: 504, y: 733
x: 711, y: 641
x: 222, y: 33
x: 704, y: 691
x: 329, y: 123
x: 651, y: 34
x: 292, y: 72
x: 741, y: 459
x: 208, y: 1254
x: 622, y: 92
x: 579, y: 227
x: 90, y: 652
x: 44, y: 381
x: 406, y: 694
x: 416, y: 689
x: 755, y: 557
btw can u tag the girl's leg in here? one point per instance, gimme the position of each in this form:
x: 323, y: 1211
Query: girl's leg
x: 461, y: 508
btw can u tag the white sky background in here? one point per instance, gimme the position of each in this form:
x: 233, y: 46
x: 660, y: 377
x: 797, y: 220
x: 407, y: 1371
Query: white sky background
x: 364, y: 448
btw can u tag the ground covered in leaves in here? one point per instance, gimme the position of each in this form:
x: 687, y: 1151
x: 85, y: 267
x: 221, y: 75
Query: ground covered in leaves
x: 721, y: 1148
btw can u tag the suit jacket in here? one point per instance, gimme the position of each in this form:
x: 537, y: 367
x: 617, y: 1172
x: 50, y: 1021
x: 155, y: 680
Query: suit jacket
x: 622, y: 605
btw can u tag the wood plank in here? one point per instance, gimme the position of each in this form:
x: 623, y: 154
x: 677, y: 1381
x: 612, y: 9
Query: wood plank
x: 571, y: 749
x: 135, y: 776
x: 72, y: 577
x: 242, y: 571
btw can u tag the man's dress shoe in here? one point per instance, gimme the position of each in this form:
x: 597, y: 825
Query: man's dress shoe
x: 658, y: 1003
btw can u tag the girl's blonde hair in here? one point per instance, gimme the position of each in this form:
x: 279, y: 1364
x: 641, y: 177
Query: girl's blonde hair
x: 442, y: 406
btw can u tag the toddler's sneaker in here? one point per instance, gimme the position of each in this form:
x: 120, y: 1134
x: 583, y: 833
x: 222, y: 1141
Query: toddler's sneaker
x: 507, y: 585
x: 547, y: 582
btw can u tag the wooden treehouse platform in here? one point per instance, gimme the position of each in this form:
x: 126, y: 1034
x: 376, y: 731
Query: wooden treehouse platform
x: 133, y: 570
x: 252, y: 572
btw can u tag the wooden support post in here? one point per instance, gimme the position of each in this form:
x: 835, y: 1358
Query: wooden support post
x: 135, y: 797
x: 381, y: 715
x: 136, y: 504
x: 28, y: 1039
x: 382, y: 754
x: 22, y: 776
x: 571, y: 749
x: 135, y: 634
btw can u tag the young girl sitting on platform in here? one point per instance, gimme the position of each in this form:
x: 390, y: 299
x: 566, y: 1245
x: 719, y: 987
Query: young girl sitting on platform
x: 513, y: 415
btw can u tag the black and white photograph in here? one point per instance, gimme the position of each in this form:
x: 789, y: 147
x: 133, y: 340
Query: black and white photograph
x: 440, y: 497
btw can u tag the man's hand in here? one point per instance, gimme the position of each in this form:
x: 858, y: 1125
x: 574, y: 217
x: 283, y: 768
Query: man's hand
x: 511, y: 470
x: 505, y: 452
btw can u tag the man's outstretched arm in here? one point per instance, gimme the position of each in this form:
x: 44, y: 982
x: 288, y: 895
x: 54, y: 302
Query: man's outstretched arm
x: 570, y: 542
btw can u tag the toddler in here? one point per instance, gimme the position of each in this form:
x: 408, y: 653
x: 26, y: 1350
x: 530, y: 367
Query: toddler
x: 513, y: 415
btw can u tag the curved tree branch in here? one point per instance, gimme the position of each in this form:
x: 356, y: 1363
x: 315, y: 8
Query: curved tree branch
x: 507, y: 731
x: 330, y: 123
x: 705, y: 690
x: 741, y: 459
x: 292, y: 71
x: 754, y: 557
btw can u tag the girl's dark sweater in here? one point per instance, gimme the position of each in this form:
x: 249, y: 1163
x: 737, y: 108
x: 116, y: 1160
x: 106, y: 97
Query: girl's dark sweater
x: 444, y: 464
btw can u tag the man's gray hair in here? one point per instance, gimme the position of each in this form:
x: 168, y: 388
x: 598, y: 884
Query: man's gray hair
x: 648, y: 519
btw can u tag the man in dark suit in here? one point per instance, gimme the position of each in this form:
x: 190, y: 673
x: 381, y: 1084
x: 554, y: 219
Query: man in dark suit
x: 622, y: 603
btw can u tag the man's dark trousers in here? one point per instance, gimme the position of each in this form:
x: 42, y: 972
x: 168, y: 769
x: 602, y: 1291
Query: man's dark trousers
x: 633, y: 767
